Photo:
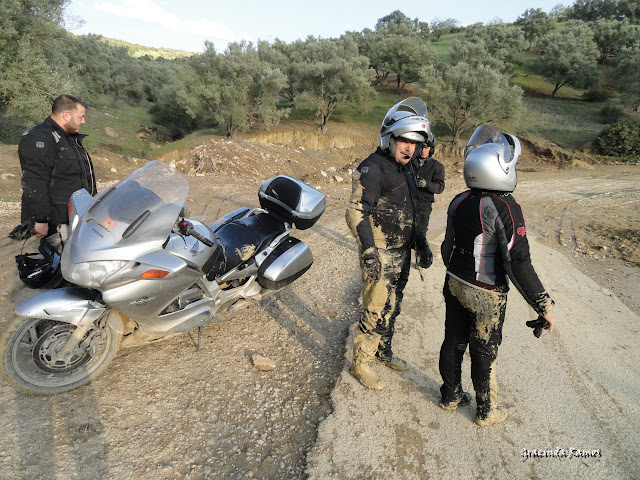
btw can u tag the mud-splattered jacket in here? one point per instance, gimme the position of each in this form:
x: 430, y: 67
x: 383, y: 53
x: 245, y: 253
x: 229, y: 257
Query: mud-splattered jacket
x: 54, y: 165
x: 383, y: 211
x: 486, y: 242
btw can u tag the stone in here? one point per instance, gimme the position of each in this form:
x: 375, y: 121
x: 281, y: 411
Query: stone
x: 264, y: 364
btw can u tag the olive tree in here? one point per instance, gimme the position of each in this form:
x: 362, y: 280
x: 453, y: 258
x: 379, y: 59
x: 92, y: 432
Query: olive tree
x: 462, y: 96
x: 610, y: 36
x: 336, y: 75
x: 236, y: 89
x: 289, y: 58
x: 374, y: 46
x: 407, y: 55
x: 33, y: 65
x: 440, y: 27
x: 627, y: 74
x: 535, y: 23
x: 569, y: 57
x: 502, y: 42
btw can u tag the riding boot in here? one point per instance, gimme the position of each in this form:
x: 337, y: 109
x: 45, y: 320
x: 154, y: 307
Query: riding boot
x: 392, y: 361
x: 487, y: 412
x: 364, y: 349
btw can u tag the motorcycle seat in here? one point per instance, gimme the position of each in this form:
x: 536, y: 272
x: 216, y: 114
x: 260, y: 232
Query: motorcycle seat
x: 239, y: 240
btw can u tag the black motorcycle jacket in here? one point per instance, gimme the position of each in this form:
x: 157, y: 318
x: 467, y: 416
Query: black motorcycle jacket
x: 54, y: 165
x: 432, y: 172
x: 384, y: 208
x: 485, y: 242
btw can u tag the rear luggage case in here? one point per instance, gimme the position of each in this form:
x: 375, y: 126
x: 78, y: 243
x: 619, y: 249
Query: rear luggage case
x: 293, y: 200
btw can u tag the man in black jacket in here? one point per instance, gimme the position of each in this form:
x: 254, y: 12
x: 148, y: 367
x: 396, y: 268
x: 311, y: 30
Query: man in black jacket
x: 384, y: 217
x: 430, y: 179
x: 54, y: 165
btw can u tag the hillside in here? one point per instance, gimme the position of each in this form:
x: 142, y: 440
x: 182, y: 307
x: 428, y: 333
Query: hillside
x: 137, y: 51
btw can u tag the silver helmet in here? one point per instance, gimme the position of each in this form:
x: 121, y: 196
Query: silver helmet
x: 490, y: 160
x: 406, y: 119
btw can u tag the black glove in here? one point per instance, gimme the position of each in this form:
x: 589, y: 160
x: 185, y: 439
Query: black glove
x: 23, y: 231
x: 371, y: 265
x: 422, y: 183
x: 424, y: 256
x: 538, y: 324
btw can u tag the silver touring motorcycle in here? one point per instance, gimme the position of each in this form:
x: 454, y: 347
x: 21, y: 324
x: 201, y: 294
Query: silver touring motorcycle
x: 142, y: 271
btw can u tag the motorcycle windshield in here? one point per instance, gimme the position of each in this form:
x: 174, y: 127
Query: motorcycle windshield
x: 142, y: 207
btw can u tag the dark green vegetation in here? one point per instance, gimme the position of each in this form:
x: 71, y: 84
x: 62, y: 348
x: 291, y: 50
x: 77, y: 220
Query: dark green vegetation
x: 557, y: 78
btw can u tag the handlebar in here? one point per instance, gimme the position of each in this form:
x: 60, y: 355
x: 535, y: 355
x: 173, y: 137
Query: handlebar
x: 186, y: 228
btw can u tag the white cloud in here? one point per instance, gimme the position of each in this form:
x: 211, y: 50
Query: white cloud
x: 150, y: 12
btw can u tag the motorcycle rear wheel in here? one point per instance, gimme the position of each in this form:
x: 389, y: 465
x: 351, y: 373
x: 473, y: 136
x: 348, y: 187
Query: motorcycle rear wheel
x: 29, y: 347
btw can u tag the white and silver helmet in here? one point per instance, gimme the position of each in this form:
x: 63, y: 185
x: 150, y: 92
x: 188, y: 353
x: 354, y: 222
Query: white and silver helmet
x: 490, y: 160
x: 406, y: 119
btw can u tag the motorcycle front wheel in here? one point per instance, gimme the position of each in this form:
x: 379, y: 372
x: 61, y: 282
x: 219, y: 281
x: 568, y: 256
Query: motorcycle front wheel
x: 30, y: 347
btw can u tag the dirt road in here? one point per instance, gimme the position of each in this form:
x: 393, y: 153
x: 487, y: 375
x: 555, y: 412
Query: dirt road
x: 165, y: 411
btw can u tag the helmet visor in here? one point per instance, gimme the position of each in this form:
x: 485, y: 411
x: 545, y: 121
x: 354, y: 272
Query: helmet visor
x: 412, y: 137
x: 489, y: 134
x: 411, y: 104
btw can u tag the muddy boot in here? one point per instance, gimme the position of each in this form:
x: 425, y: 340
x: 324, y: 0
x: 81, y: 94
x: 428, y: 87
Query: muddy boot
x: 364, y: 347
x: 452, y: 406
x: 496, y: 415
x: 393, y: 362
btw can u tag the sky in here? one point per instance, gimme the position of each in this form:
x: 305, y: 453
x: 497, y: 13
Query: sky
x: 186, y: 24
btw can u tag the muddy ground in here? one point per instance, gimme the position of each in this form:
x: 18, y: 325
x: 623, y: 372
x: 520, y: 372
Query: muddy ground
x: 167, y: 411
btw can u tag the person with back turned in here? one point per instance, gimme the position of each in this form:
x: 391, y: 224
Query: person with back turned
x: 485, y: 246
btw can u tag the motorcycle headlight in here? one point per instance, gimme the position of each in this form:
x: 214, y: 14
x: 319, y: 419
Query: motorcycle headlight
x: 91, y: 274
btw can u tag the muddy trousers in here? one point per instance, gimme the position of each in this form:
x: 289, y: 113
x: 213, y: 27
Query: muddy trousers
x: 382, y: 299
x: 474, y: 317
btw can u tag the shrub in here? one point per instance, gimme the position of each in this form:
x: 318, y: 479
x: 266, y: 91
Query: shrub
x: 621, y: 139
x: 611, y: 114
x: 596, y: 95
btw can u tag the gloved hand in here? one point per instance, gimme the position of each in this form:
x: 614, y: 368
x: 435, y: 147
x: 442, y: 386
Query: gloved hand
x: 538, y: 324
x: 424, y: 256
x: 371, y: 266
x: 23, y: 231
x: 422, y: 183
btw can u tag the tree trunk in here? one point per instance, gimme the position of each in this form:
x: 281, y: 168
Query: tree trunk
x: 558, y: 87
x: 117, y: 96
x: 322, y: 128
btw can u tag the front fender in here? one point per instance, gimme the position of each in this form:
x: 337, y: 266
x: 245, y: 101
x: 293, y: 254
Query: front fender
x: 74, y: 305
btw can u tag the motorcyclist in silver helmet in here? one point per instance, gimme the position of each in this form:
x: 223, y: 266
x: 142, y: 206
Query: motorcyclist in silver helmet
x: 485, y: 246
x: 384, y: 217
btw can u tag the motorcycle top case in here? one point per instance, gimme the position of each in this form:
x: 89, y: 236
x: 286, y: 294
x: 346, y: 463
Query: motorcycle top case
x: 293, y: 200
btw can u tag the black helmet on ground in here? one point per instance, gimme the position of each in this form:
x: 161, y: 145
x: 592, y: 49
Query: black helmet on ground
x: 40, y: 270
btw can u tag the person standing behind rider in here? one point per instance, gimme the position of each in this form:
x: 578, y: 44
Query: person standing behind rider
x: 430, y: 179
x: 384, y: 217
x: 54, y: 165
x: 485, y: 246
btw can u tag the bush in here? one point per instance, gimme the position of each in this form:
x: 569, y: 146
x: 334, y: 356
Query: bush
x: 621, y: 139
x: 596, y: 95
x: 611, y: 114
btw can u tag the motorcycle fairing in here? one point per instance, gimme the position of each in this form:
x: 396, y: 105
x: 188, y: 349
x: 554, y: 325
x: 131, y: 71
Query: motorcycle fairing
x: 74, y: 305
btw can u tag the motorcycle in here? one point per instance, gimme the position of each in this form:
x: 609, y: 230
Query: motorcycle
x: 141, y: 271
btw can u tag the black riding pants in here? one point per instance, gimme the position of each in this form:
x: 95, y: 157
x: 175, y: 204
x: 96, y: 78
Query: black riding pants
x: 474, y: 317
